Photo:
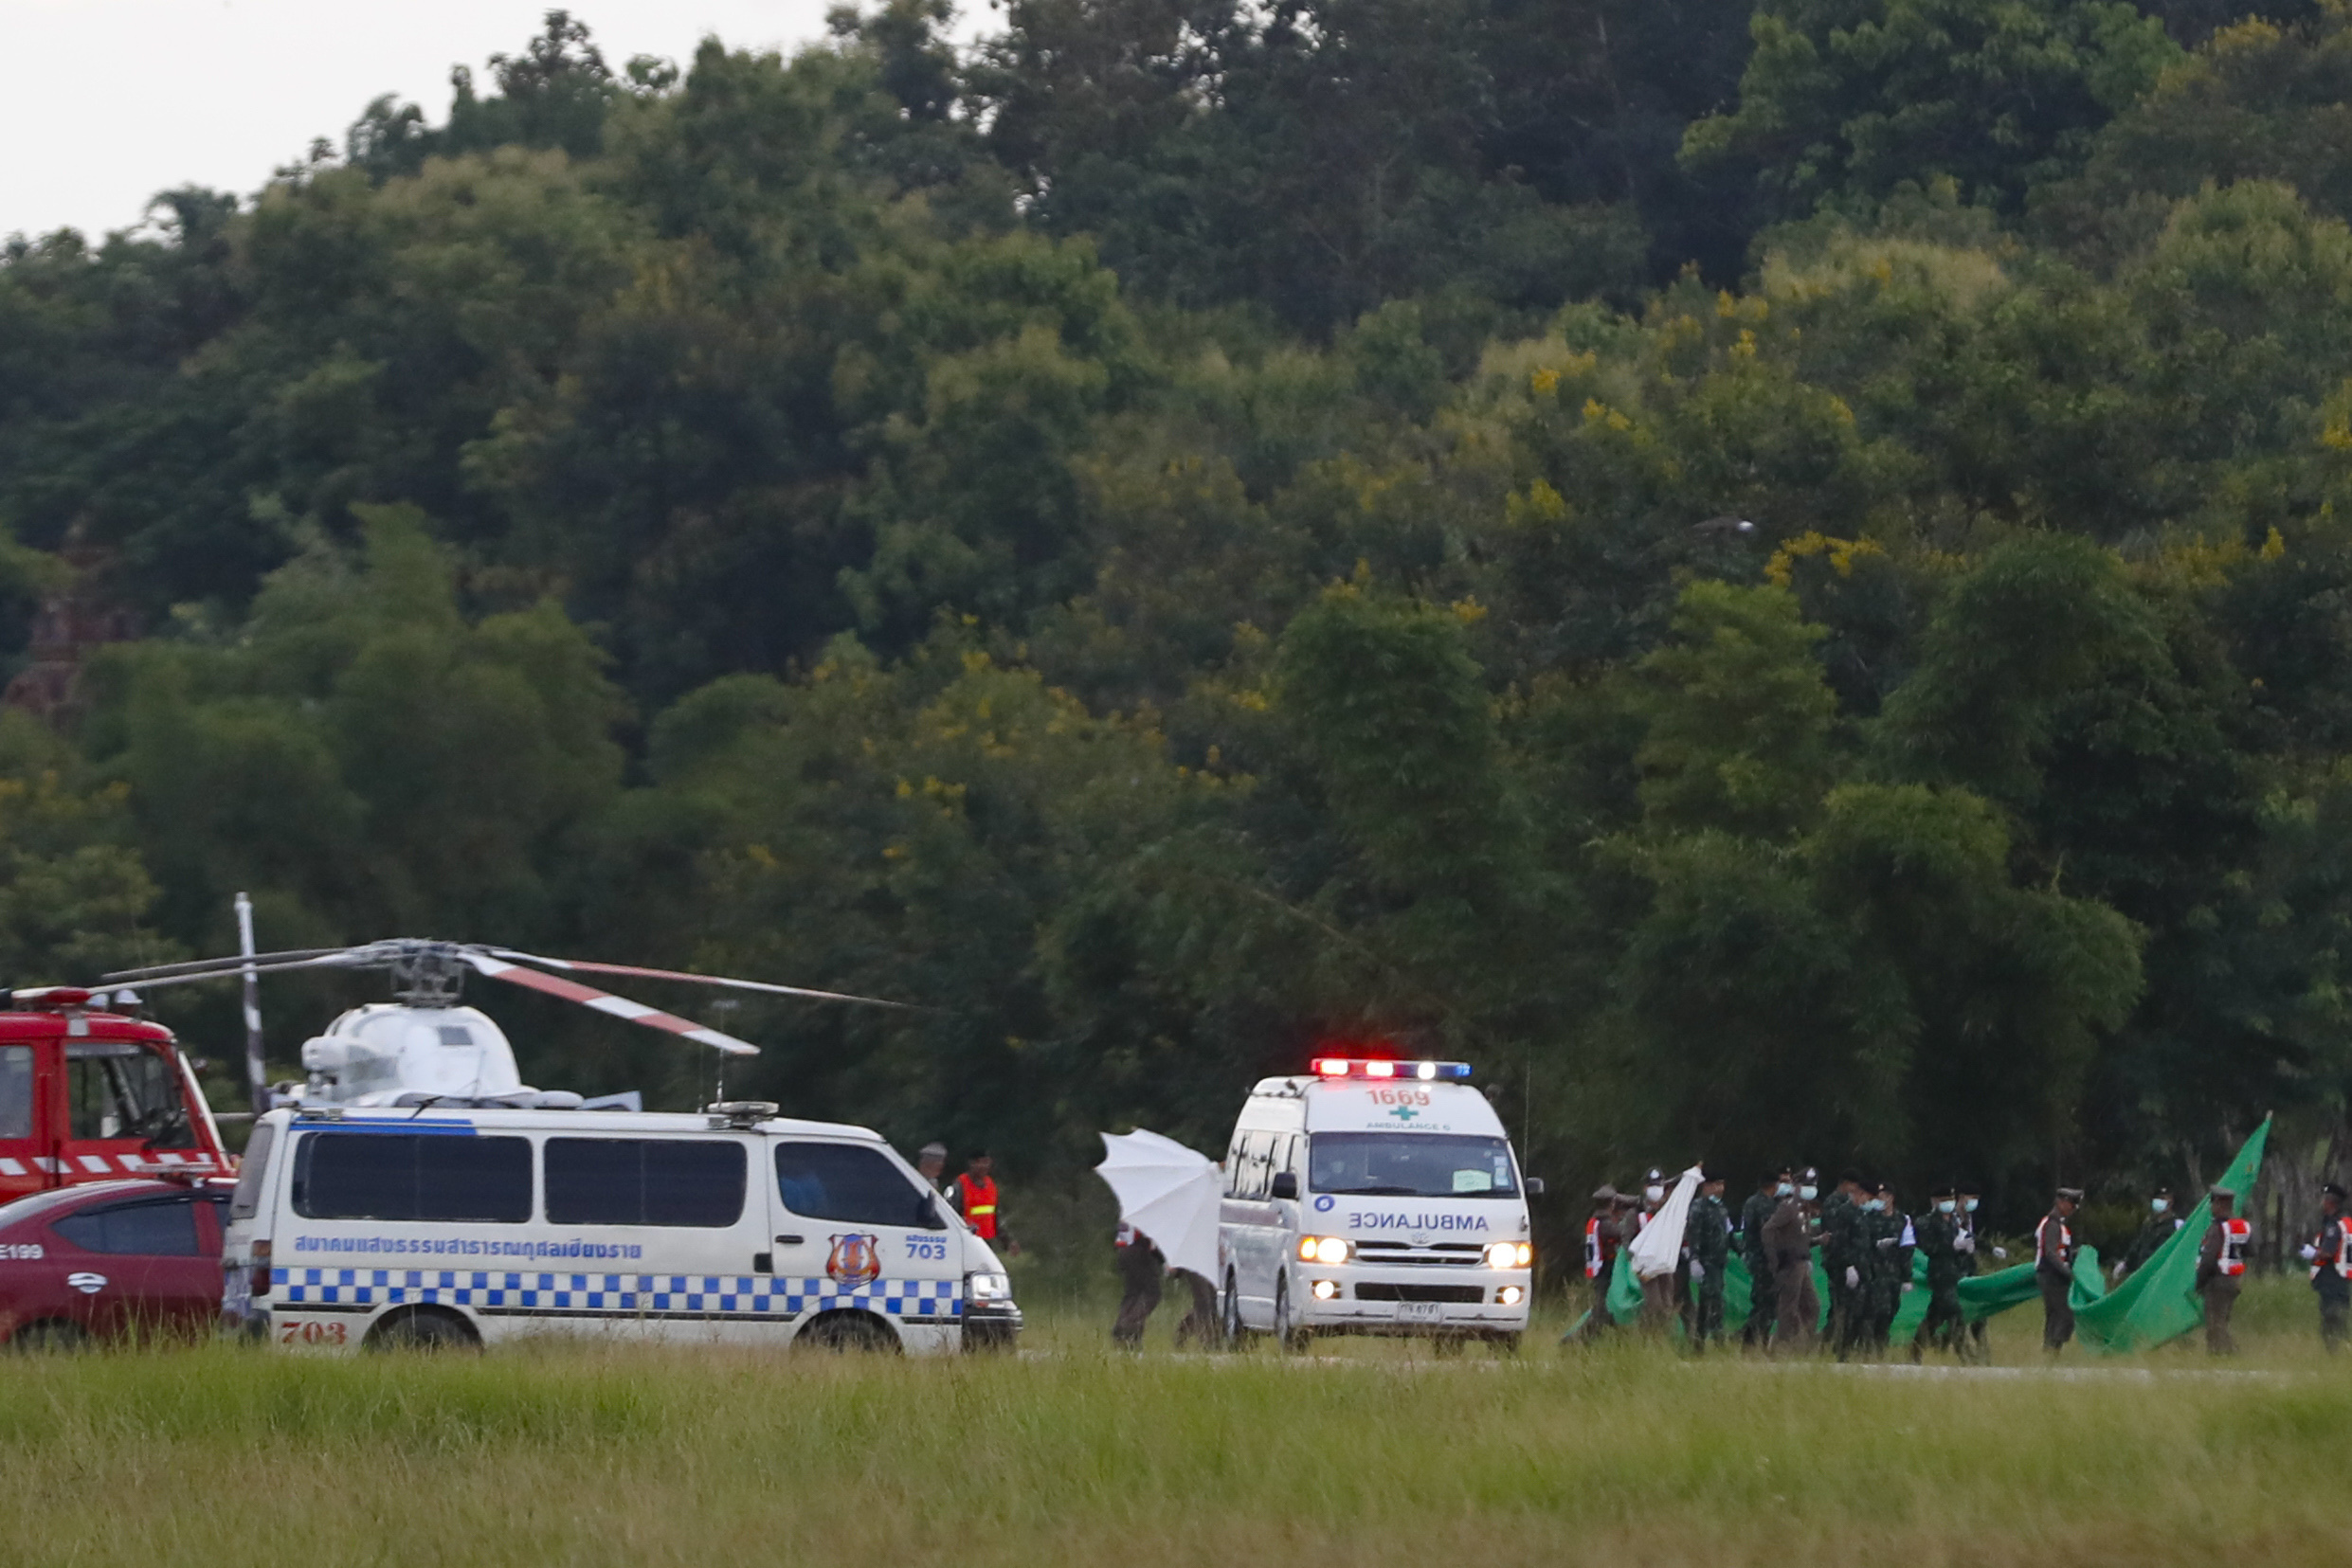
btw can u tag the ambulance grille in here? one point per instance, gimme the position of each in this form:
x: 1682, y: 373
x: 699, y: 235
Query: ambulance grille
x: 1456, y: 1254
x: 1470, y: 1295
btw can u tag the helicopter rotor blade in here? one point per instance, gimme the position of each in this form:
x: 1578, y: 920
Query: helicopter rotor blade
x: 226, y: 965
x: 636, y: 972
x: 604, y: 1001
x: 333, y: 959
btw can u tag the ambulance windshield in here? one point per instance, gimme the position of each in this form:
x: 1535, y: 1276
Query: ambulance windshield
x: 1407, y: 1164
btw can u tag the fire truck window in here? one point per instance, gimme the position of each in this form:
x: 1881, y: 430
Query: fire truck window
x: 844, y: 1181
x: 412, y: 1176
x: 15, y: 1091
x: 116, y: 1089
x: 164, y: 1227
x: 644, y: 1181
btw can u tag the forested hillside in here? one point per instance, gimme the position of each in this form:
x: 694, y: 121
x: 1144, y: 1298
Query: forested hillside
x: 1776, y: 576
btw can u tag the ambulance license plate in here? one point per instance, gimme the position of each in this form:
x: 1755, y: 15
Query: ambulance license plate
x: 1420, y: 1311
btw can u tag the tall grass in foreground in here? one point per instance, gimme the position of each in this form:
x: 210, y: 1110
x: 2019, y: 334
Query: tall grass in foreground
x: 574, y: 1453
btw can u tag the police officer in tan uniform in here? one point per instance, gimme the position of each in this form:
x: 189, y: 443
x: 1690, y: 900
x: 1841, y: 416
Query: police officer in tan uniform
x: 2055, y: 1247
x: 2222, y: 1270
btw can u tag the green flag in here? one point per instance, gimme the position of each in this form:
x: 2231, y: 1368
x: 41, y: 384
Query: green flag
x: 1624, y: 1292
x: 2160, y: 1301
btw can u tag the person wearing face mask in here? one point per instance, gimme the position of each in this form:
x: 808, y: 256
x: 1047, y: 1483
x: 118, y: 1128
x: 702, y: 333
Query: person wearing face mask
x: 2054, y: 1246
x: 1979, y: 1347
x: 2154, y: 1231
x: 1706, y: 1242
x: 1845, y: 1256
x: 1789, y: 1237
x: 1891, y: 1239
x: 1939, y: 1234
x: 1763, y: 1293
x: 1657, y: 1291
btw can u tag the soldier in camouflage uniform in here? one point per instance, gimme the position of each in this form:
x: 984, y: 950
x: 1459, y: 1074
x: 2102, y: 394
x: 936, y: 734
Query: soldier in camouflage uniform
x: 1763, y: 1293
x: 1707, y: 1239
x: 1844, y: 1246
x: 2159, y: 1227
x: 1889, y: 1231
x: 1937, y: 1233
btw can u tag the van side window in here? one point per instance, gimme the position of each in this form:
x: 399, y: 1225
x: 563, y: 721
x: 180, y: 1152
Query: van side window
x: 1257, y: 1167
x: 1236, y: 1154
x: 412, y: 1176
x: 164, y: 1227
x: 247, y: 1200
x: 644, y: 1181
x: 851, y: 1182
x: 15, y: 1091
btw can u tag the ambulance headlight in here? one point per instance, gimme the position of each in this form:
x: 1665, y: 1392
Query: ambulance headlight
x: 1324, y: 1290
x: 1325, y: 1249
x: 1510, y: 1295
x: 1509, y: 1254
x: 989, y: 1288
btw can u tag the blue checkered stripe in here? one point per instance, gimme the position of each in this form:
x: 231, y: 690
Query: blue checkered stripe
x: 730, y: 1295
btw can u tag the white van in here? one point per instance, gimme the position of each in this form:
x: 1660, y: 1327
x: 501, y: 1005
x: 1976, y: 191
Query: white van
x: 1374, y: 1198
x: 439, y: 1226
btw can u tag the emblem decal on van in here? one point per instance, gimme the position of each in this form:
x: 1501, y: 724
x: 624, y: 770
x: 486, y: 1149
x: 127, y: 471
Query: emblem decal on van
x: 855, y: 1259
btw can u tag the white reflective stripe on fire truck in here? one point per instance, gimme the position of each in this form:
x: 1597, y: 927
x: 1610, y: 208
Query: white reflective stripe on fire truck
x: 12, y: 1167
x: 93, y: 1163
x: 42, y: 1162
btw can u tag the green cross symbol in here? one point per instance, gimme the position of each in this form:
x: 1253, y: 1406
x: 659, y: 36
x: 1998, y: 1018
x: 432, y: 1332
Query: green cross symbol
x: 1405, y: 1114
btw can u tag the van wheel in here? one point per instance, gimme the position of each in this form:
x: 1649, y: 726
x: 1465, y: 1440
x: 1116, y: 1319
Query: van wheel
x: 843, y: 1332
x: 422, y: 1330
x: 1506, y: 1344
x: 1229, y: 1310
x: 1287, y: 1333
x: 52, y: 1338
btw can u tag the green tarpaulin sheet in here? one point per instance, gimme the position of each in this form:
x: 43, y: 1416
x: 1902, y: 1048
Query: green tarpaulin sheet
x: 1982, y: 1296
x: 2160, y: 1301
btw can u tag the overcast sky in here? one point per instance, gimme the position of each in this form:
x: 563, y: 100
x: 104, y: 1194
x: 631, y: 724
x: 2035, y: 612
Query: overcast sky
x: 104, y: 102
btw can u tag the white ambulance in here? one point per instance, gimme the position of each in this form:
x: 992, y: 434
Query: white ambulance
x: 1374, y: 1196
x: 439, y: 1226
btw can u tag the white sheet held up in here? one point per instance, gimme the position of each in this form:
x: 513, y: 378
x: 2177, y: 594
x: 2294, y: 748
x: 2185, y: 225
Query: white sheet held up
x: 1170, y: 1193
x: 1656, y: 1251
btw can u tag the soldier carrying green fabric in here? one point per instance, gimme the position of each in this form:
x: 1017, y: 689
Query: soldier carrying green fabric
x: 1937, y: 1233
x: 1707, y: 1237
x: 1763, y: 1291
x: 1845, y: 1246
x: 2157, y: 1230
x: 1889, y: 1231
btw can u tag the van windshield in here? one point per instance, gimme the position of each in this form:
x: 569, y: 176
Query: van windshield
x: 1407, y: 1164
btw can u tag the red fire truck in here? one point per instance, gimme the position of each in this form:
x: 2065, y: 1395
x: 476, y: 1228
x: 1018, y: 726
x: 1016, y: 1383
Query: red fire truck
x: 92, y: 1095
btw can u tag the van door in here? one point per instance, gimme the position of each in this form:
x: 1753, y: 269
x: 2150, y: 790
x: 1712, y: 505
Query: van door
x: 855, y: 1230
x: 147, y: 1265
x: 669, y: 1230
x: 1251, y: 1216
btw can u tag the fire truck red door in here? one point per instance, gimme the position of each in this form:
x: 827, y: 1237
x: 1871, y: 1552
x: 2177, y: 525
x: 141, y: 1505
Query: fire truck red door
x: 22, y: 1122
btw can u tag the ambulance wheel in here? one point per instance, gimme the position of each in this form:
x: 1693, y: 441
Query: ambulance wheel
x: 1447, y: 1345
x: 1287, y: 1334
x: 50, y: 1338
x: 845, y: 1332
x: 1506, y: 1344
x: 423, y: 1329
x: 1229, y: 1314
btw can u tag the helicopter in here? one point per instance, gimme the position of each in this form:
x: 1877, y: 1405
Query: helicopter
x: 424, y: 1047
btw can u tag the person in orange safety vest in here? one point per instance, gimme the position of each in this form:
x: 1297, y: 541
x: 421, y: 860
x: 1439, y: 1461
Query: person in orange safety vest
x: 975, y: 1198
x: 2222, y: 1270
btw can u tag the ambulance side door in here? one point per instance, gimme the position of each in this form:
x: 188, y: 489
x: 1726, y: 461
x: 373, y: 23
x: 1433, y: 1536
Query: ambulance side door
x: 1251, y: 1217
x: 678, y: 1220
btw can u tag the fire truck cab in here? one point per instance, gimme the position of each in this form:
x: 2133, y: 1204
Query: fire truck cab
x: 91, y: 1095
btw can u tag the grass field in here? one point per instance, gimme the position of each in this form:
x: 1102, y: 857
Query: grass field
x: 1374, y: 1455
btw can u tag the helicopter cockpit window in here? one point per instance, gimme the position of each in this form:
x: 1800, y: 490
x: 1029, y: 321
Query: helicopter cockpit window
x: 15, y: 1091
x: 117, y: 1090
x: 455, y: 1034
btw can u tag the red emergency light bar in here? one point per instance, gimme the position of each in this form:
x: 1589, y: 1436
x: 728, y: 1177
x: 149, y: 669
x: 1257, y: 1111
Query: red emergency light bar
x: 45, y: 997
x: 1348, y: 1067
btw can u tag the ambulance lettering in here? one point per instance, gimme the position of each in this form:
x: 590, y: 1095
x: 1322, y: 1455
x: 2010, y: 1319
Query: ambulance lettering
x: 1359, y: 1221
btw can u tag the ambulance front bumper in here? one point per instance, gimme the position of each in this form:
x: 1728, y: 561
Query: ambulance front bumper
x: 1369, y: 1299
